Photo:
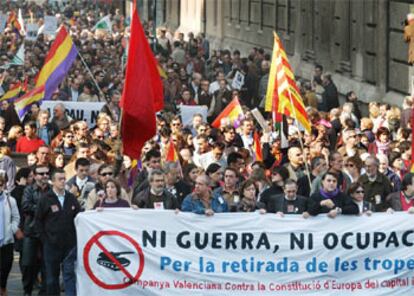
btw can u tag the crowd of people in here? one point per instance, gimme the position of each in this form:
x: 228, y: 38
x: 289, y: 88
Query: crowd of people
x: 350, y: 163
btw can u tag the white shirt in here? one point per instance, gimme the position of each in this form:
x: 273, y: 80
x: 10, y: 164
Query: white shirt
x: 60, y: 197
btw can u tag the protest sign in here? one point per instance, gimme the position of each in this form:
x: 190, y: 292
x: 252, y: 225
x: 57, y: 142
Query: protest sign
x: 238, y: 81
x: 3, y: 20
x: 187, y: 113
x: 130, y: 253
x: 87, y: 111
x: 50, y: 25
x: 31, y: 31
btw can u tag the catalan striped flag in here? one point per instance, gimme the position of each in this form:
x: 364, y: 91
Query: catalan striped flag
x: 283, y: 96
x: 61, y: 55
x: 23, y: 104
x: 257, y: 148
x: 233, y: 112
x: 13, y: 93
x: 172, y: 155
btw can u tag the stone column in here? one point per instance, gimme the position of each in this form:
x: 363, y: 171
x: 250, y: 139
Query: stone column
x: 191, y: 16
x: 382, y: 31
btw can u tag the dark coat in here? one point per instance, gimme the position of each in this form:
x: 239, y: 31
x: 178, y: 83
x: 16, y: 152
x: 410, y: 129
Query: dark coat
x: 280, y: 204
x: 142, y: 200
x: 340, y: 200
x: 330, y: 98
x: 394, y: 201
x: 381, y: 187
x: 56, y: 223
x: 31, y: 196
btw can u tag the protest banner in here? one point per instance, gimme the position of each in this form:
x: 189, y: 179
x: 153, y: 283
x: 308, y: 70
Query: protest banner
x: 50, y: 25
x: 187, y: 113
x: 238, y: 80
x: 31, y: 31
x: 150, y: 252
x: 87, y: 111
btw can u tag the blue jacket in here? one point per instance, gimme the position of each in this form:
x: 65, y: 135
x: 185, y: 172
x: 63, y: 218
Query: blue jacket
x: 193, y: 204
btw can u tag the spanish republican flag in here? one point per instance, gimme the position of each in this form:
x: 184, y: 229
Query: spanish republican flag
x: 58, y: 61
x: 13, y: 92
x: 283, y: 96
x: 257, y: 148
x: 233, y: 112
x: 23, y: 104
x: 143, y: 92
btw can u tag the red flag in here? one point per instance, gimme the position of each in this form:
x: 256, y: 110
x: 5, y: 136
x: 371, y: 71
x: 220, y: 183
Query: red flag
x: 143, y: 92
x: 172, y: 155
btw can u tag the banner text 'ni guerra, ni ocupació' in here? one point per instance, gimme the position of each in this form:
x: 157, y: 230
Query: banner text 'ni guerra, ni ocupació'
x: 147, y: 252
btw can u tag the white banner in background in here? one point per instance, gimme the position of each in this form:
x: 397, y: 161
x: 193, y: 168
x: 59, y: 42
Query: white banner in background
x: 187, y: 113
x: 87, y: 111
x: 149, y: 252
x: 50, y: 25
x: 3, y: 20
x: 31, y: 31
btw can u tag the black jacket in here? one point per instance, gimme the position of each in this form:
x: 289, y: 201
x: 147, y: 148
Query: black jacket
x: 56, y: 223
x: 31, y: 197
x: 142, y: 200
x: 340, y: 200
x: 280, y: 204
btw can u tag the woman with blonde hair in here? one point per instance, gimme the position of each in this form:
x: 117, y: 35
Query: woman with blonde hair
x: 14, y: 134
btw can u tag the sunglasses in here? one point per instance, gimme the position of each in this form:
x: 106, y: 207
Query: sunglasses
x: 349, y: 165
x: 42, y: 173
x: 106, y: 174
x: 360, y: 191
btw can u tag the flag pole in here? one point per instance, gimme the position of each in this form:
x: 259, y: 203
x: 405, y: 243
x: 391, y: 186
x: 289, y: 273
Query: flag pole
x: 93, y: 78
x: 300, y: 140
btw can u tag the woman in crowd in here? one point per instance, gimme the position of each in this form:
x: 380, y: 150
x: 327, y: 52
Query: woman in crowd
x: 15, y: 132
x: 248, y: 192
x: 112, y: 197
x: 9, y: 214
x: 357, y: 194
x: 330, y: 200
x: 215, y: 173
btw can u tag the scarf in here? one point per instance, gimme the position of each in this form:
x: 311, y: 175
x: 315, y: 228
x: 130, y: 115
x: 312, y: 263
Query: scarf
x: 329, y: 195
x: 2, y: 226
x: 382, y: 147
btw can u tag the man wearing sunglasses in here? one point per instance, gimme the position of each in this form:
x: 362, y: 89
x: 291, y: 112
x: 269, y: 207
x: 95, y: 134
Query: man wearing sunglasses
x: 31, y: 261
x: 105, y: 172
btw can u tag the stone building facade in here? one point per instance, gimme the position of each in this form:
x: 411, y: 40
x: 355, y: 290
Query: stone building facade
x: 359, y: 41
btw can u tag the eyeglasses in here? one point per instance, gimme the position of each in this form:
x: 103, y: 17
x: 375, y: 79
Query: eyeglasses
x: 360, y: 191
x: 106, y: 174
x: 42, y: 173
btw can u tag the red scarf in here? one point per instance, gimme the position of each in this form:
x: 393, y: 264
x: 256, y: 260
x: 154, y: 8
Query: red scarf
x: 404, y: 204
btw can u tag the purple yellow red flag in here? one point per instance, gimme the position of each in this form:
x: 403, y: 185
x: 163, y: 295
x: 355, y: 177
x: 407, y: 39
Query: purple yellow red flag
x: 13, y: 93
x: 23, y: 104
x: 233, y: 112
x: 58, y: 61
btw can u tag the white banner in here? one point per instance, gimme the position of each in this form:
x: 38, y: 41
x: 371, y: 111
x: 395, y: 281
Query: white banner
x: 187, y: 113
x: 238, y: 81
x: 87, y: 111
x: 31, y: 31
x: 148, y: 252
x: 50, y: 25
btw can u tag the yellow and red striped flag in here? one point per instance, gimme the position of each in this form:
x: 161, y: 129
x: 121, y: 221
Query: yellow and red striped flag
x: 257, y: 147
x: 283, y: 96
x: 172, y: 155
